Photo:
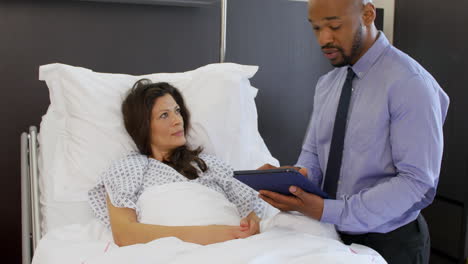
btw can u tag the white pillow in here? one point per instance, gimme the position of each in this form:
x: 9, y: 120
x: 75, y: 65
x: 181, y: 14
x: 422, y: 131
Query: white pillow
x: 190, y: 204
x: 82, y: 131
x: 55, y: 213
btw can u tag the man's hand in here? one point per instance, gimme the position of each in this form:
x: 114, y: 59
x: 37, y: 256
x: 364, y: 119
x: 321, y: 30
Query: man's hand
x: 302, y: 171
x: 306, y: 203
x: 250, y: 224
x: 267, y: 166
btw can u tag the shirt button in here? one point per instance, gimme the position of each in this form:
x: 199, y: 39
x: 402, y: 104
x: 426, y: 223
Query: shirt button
x: 339, y: 182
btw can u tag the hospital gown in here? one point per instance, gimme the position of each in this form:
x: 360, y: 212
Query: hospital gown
x: 128, y: 178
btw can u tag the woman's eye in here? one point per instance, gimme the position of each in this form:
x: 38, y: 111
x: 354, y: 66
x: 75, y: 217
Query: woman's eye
x: 178, y: 110
x: 163, y: 115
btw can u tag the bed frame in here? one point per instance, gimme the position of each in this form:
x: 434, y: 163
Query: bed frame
x: 30, y: 207
x: 30, y: 216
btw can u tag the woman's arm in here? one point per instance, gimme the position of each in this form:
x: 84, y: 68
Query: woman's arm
x: 127, y: 231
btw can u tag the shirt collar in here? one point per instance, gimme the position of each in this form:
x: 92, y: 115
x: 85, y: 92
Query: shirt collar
x: 362, y: 66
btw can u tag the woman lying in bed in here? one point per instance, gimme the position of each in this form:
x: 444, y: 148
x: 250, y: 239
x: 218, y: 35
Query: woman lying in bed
x: 157, y: 119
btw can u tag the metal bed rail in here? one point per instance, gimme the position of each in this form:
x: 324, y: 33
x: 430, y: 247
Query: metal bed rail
x: 30, y: 217
x: 222, y: 47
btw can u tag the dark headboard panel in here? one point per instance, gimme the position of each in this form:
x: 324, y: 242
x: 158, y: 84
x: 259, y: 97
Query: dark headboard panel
x: 276, y: 35
x: 134, y: 39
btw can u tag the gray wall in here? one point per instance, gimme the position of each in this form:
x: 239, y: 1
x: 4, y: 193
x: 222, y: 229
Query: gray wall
x: 276, y: 35
x: 105, y: 37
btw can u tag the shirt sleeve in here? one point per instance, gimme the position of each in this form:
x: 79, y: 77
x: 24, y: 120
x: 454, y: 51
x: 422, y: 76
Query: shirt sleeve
x: 417, y: 113
x: 122, y: 182
x: 242, y: 196
x: 309, y: 158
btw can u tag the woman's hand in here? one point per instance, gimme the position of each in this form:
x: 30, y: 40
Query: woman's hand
x: 221, y: 233
x: 250, y: 224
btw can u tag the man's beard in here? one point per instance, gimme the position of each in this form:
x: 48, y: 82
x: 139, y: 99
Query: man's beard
x: 355, y: 50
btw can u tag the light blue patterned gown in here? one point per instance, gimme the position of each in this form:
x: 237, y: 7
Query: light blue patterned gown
x: 128, y: 178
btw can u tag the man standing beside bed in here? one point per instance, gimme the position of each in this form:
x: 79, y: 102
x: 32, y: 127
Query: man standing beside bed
x: 375, y: 142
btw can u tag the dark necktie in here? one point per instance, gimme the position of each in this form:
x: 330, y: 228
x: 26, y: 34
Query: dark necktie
x: 335, y: 156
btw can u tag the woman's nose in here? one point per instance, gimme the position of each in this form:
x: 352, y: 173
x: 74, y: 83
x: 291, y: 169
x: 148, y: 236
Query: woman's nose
x: 177, y: 120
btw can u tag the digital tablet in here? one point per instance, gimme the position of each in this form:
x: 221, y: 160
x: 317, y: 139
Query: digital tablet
x: 278, y: 180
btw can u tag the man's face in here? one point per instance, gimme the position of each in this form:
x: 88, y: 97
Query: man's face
x: 337, y: 26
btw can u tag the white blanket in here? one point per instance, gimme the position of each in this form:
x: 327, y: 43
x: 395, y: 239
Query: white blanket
x: 284, y: 238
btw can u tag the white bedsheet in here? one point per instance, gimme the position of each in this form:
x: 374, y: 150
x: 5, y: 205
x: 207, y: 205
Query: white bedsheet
x: 282, y: 241
x: 284, y: 238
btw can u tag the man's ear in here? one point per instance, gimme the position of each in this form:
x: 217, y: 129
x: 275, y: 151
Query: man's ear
x: 368, y: 14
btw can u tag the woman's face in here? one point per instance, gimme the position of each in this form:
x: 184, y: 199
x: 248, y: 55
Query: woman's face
x: 167, y: 126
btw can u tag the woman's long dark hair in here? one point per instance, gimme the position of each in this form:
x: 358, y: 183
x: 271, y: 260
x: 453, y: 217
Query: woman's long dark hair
x: 136, y: 110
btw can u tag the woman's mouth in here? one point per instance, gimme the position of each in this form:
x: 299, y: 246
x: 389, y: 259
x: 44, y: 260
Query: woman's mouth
x: 178, y: 133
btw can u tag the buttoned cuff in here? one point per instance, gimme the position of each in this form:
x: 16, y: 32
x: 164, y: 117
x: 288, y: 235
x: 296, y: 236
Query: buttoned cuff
x: 332, y: 210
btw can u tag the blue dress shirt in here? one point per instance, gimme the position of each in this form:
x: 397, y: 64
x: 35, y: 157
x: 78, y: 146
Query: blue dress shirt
x: 393, y: 143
